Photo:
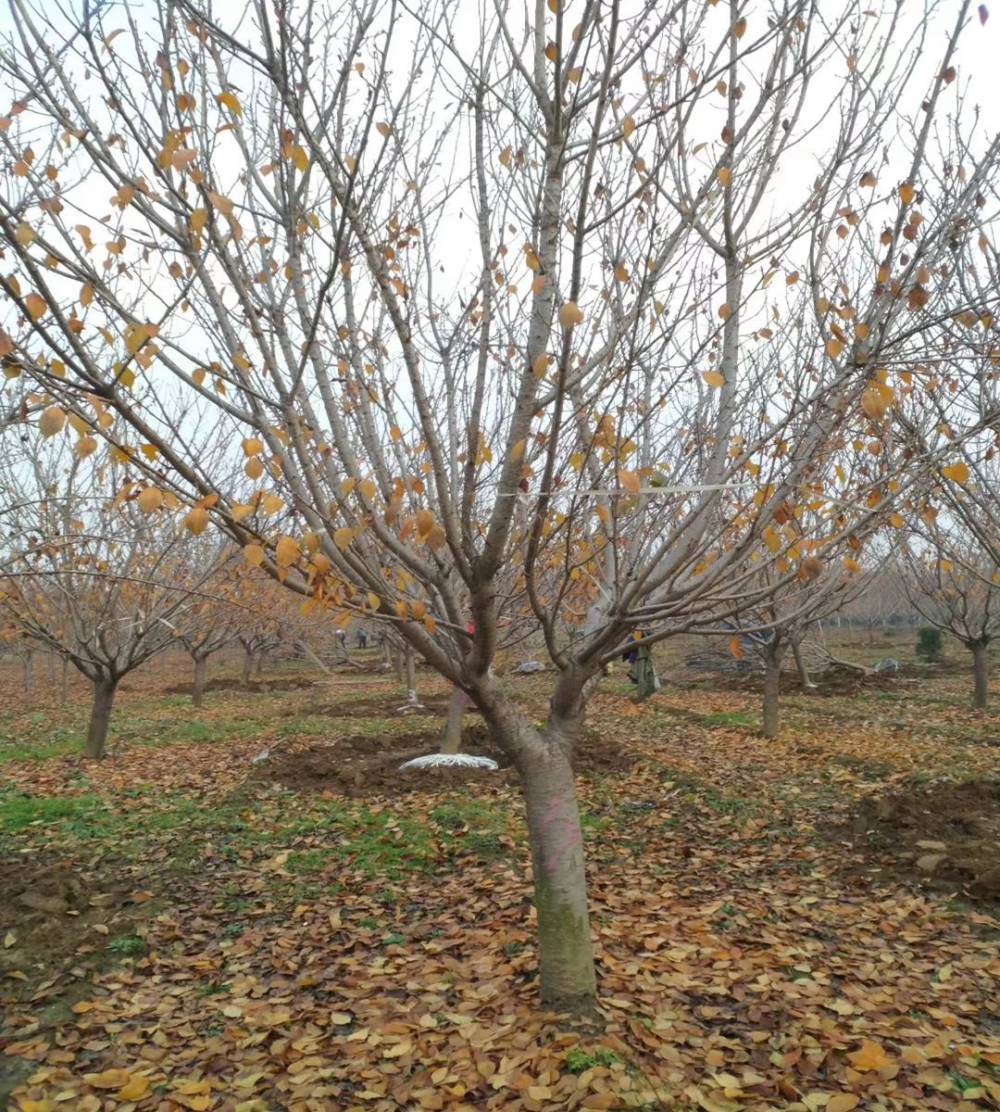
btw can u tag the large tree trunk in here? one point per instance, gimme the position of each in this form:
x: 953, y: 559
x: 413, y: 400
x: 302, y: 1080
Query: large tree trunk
x: 565, y: 954
x: 981, y: 671
x: 772, y: 689
x: 400, y: 669
x: 248, y: 663
x: 200, y: 674
x: 29, y: 670
x: 100, y: 716
x: 452, y: 740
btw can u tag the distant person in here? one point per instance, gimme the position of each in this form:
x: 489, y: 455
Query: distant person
x: 641, y: 671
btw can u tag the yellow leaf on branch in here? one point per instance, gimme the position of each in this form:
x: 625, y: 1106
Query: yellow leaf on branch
x: 231, y: 101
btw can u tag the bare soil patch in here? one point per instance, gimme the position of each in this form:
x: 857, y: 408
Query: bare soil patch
x: 945, y: 835
x: 385, y: 706
x: 835, y: 681
x: 361, y: 765
x: 56, y: 911
x: 225, y: 683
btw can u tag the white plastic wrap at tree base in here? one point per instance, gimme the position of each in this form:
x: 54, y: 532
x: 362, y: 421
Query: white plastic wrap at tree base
x: 450, y: 760
x: 412, y: 703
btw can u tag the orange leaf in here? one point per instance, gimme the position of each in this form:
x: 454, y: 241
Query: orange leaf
x: 957, y: 472
x: 108, y: 1079
x: 136, y: 1089
x: 871, y: 1056
x: 51, y: 421
x: 714, y: 378
x: 286, y: 552
x: 630, y: 481
x: 230, y: 101
x: 570, y: 315
x: 150, y: 499
x: 36, y: 306
x: 197, y: 520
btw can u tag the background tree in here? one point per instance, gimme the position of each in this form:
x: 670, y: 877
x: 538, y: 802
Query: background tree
x: 555, y: 320
x: 96, y: 580
x: 954, y: 584
x: 212, y: 619
x: 821, y: 587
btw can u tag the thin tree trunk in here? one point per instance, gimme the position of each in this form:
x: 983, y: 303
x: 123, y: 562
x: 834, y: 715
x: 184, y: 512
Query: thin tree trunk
x: 400, y: 670
x: 772, y: 689
x: 29, y: 670
x: 260, y: 662
x: 100, y: 716
x: 565, y: 954
x: 981, y: 671
x: 64, y: 692
x: 200, y: 674
x: 800, y: 664
x: 452, y: 740
x: 307, y: 651
x: 411, y: 670
x: 248, y: 663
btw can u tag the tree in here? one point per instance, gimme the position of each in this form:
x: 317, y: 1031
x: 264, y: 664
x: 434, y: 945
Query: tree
x: 510, y: 326
x: 211, y: 621
x: 953, y: 566
x: 821, y: 588
x: 96, y: 581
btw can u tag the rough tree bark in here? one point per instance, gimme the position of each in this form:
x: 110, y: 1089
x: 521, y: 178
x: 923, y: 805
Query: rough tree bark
x: 772, y: 687
x: 981, y: 672
x: 100, y: 716
x: 565, y: 954
x: 451, y: 742
x: 200, y: 675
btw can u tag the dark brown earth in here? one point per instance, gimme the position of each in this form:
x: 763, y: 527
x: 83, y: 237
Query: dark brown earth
x: 945, y: 836
x: 284, y: 683
x: 362, y: 765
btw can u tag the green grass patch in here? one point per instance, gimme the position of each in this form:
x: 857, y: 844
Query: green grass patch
x: 731, y: 718
x: 578, y: 1060
x: 18, y: 812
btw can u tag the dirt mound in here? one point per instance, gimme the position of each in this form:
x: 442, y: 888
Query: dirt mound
x: 54, y: 911
x: 946, y: 835
x: 387, y: 706
x: 365, y: 765
x: 835, y: 680
x: 283, y: 683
